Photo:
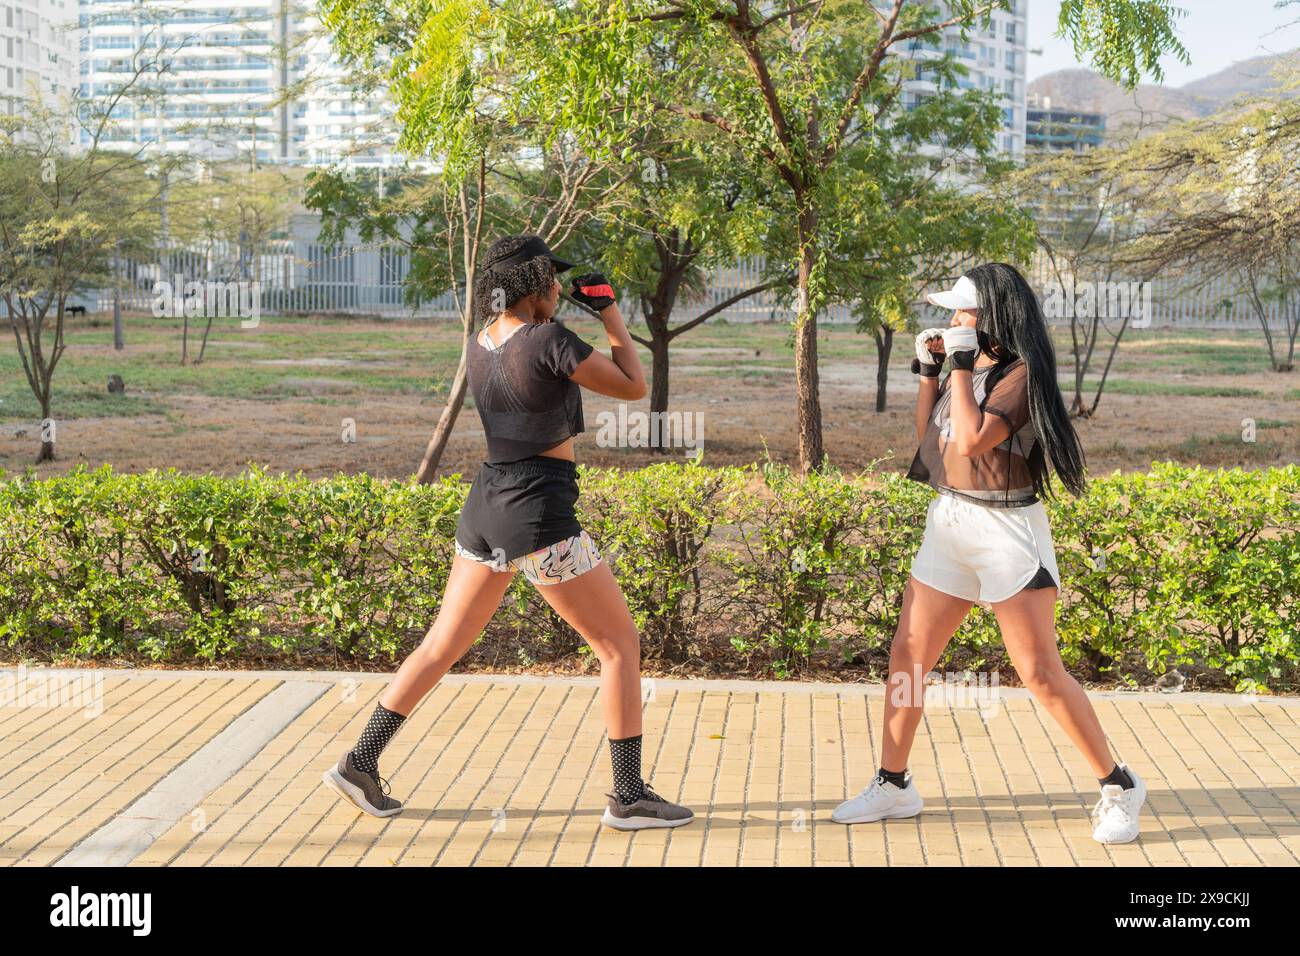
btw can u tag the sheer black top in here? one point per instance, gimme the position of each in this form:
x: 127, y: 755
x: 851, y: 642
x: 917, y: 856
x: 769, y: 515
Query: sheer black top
x: 1000, y: 477
x: 522, y: 389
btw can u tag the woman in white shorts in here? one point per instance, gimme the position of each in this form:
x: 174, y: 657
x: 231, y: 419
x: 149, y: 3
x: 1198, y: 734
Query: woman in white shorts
x: 987, y: 432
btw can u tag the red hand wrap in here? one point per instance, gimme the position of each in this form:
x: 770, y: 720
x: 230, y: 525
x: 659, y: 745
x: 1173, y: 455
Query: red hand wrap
x: 597, y: 290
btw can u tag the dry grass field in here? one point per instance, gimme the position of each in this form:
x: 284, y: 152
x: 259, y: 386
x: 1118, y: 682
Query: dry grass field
x: 278, y: 396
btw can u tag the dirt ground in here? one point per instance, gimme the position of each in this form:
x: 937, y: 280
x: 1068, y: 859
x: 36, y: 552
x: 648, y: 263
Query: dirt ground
x: 745, y: 395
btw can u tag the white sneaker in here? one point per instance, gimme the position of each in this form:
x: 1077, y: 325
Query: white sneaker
x: 1117, y: 811
x: 880, y: 801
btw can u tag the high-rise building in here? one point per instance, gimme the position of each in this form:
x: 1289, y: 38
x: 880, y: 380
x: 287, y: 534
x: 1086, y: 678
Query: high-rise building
x: 329, y: 120
x: 228, y: 78
x: 242, y: 78
x: 995, y: 60
x: 38, y: 52
x: 1054, y: 127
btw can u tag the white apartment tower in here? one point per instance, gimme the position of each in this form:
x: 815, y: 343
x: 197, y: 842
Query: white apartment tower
x: 228, y: 79
x: 38, y: 52
x: 236, y: 77
x: 995, y: 60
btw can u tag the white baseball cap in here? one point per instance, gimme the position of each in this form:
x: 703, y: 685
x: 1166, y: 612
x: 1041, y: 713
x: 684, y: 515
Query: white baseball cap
x: 963, y: 295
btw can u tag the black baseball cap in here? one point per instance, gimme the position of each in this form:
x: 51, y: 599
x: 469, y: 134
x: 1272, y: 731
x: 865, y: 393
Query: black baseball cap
x: 533, y: 247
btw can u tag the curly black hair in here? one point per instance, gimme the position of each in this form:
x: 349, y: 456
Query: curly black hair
x: 499, y: 287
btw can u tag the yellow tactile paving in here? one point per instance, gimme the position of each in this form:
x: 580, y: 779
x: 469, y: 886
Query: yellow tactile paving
x: 68, y: 772
x: 509, y: 772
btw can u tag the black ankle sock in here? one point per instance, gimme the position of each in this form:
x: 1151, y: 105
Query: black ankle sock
x: 1120, y: 777
x: 626, y: 757
x: 379, y: 731
x: 898, y: 779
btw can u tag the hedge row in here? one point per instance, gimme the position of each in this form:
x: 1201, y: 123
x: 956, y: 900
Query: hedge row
x: 1177, y: 566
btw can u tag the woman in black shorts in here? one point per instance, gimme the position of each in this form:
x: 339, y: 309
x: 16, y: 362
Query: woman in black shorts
x: 525, y: 370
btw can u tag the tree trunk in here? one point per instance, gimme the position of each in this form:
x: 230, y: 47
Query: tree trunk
x: 203, y: 346
x: 47, y: 445
x: 1080, y: 369
x: 884, y: 346
x: 808, y: 398
x: 1294, y: 330
x: 119, y: 339
x: 472, y: 233
x: 455, y: 401
x: 658, y: 384
x: 1261, y: 313
x: 1105, y: 372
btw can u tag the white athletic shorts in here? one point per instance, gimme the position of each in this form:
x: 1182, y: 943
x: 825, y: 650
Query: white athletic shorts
x: 980, y: 554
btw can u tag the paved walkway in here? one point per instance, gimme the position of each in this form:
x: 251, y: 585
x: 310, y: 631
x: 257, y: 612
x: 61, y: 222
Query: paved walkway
x: 197, y: 768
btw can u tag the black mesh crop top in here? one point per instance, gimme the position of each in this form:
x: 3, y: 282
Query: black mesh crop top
x: 1000, y: 477
x: 522, y: 389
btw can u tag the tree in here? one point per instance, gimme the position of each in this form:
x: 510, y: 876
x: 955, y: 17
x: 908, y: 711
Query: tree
x: 931, y: 245
x: 674, y: 208
x: 230, y: 212
x: 1087, y: 210
x: 453, y: 109
x: 1223, y: 196
x: 682, y: 217
x: 62, y: 214
x: 909, y: 207
x: 787, y: 85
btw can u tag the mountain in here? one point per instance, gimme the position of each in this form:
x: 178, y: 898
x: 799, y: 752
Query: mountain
x: 1088, y: 92
x: 1249, y: 77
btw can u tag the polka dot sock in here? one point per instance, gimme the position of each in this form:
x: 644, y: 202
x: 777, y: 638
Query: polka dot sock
x: 626, y: 756
x: 379, y: 731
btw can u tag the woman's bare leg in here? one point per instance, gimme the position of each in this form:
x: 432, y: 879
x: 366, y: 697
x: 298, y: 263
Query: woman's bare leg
x: 594, y: 606
x: 1028, y: 624
x: 927, y: 623
x: 473, y: 594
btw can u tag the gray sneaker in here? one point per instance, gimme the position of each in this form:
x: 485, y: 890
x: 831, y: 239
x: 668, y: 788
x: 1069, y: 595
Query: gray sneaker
x: 650, y: 812
x: 367, y: 793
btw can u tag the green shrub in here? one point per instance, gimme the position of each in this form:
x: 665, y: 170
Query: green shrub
x: 1179, y: 566
x: 369, y: 560
x: 803, y: 569
x: 653, y: 525
x: 1232, y: 564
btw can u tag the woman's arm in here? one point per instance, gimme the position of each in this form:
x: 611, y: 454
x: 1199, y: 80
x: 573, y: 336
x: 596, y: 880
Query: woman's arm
x: 973, y: 432
x: 925, y: 399
x: 929, y: 359
x: 622, y: 377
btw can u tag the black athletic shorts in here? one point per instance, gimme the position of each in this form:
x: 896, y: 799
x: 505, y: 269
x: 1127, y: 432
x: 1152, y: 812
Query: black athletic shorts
x: 519, y: 507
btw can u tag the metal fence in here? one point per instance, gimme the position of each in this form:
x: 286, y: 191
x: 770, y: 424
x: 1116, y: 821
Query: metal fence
x: 300, y: 276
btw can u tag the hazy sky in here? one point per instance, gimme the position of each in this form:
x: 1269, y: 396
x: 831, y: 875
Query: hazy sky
x: 1216, y: 33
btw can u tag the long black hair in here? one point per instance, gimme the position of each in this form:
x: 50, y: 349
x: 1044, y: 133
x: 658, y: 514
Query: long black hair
x: 498, y: 287
x: 1010, y: 325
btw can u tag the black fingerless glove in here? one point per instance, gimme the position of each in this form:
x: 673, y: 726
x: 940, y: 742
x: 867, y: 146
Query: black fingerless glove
x: 926, y: 369
x: 593, y: 290
x: 965, y: 359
